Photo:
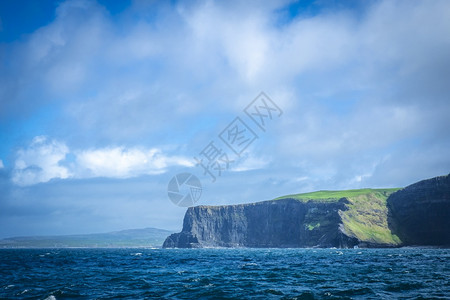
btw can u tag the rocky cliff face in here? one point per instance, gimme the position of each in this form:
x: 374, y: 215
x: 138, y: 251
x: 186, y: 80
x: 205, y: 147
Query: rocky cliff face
x: 279, y: 223
x: 420, y: 213
x: 416, y: 215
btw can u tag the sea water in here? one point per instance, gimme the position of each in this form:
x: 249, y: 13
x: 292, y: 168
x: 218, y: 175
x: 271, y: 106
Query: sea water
x: 404, y: 273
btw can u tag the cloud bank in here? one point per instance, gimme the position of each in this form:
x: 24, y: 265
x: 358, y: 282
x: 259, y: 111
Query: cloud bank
x: 46, y: 159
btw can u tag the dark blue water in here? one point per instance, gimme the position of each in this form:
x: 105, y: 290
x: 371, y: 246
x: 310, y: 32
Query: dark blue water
x: 225, y: 273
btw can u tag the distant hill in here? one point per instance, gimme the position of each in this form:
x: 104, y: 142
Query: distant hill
x: 147, y: 237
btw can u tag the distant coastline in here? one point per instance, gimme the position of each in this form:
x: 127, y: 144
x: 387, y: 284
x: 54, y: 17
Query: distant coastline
x: 131, y: 238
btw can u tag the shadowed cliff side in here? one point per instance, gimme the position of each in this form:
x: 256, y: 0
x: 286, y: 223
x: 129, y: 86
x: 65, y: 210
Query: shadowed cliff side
x: 277, y: 223
x: 420, y: 213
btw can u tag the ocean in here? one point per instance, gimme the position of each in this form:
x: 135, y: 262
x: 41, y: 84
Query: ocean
x: 404, y: 273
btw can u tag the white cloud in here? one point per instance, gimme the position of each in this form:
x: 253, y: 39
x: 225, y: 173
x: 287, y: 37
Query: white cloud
x: 250, y: 162
x: 240, y: 38
x: 45, y: 159
x: 119, y: 162
x: 1, y: 164
x: 40, y: 162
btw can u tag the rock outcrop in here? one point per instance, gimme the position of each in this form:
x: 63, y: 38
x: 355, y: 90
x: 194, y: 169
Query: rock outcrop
x: 420, y: 213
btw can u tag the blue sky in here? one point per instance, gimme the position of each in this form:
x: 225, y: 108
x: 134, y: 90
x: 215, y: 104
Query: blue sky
x: 101, y: 104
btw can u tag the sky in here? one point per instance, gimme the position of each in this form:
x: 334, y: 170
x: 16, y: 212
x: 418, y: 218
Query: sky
x: 102, y: 103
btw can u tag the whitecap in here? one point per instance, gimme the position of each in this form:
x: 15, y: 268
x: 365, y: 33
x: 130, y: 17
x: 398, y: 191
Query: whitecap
x: 248, y: 265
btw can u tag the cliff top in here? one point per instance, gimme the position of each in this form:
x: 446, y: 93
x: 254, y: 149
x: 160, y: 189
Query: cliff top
x: 332, y: 196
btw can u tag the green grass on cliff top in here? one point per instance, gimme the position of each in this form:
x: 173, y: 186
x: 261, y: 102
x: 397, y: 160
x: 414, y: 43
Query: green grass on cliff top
x: 366, y: 216
x: 331, y: 196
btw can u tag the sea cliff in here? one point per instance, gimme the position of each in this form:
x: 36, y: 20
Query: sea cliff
x: 278, y: 223
x: 363, y: 218
x: 420, y: 213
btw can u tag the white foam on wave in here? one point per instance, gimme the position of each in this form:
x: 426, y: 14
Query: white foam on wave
x: 51, y: 297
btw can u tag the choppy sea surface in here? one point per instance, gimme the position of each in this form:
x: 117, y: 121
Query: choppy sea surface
x: 405, y: 273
